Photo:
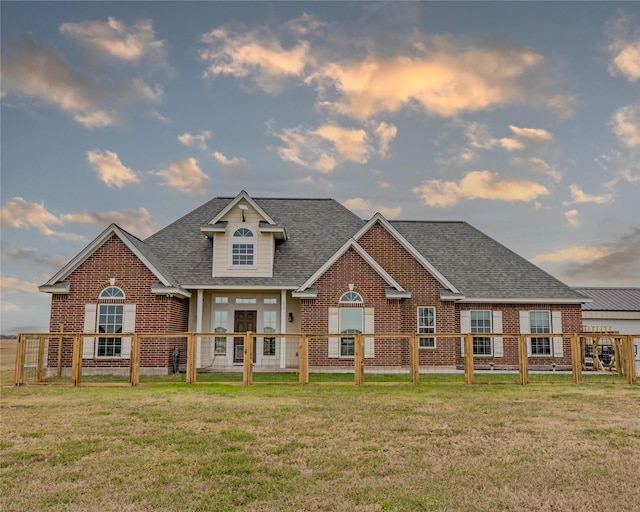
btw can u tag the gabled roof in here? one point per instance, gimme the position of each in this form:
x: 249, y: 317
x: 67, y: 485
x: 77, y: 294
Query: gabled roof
x: 378, y: 218
x: 316, y: 229
x: 611, y: 299
x: 242, y: 195
x: 146, y: 256
x: 394, y: 290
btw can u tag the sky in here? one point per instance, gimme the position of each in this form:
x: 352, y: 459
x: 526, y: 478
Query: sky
x: 521, y: 118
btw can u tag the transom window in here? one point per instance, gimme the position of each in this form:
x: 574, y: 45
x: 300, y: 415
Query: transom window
x: 110, y: 321
x: 426, y: 324
x: 351, y: 297
x: 540, y: 322
x: 112, y: 292
x: 481, y: 322
x: 243, y: 248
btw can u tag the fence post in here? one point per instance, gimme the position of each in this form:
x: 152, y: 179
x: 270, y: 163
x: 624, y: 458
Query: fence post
x: 358, y: 360
x: 414, y: 359
x: 468, y: 359
x: 576, y: 358
x: 190, y: 376
x: 76, y: 361
x: 523, y: 359
x: 20, y: 356
x: 631, y: 360
x: 134, y: 361
x: 40, y: 361
x: 247, y: 366
x: 303, y: 364
x: 60, y: 348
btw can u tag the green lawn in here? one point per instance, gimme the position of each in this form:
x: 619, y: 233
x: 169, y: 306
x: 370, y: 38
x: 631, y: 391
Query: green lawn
x: 270, y: 448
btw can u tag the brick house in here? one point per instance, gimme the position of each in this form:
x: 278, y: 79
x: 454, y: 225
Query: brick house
x: 308, y: 265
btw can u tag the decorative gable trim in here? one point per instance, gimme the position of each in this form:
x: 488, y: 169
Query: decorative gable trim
x: 412, y: 250
x: 55, y: 282
x: 398, y: 291
x: 242, y: 195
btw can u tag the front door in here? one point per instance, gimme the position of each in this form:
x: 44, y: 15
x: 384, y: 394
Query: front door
x: 243, y: 321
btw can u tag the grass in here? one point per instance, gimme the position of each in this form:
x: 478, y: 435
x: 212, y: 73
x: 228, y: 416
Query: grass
x: 174, y: 447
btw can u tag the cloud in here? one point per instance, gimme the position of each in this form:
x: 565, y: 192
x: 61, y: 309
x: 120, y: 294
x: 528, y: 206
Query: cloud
x: 572, y: 218
x: 237, y: 165
x: 39, y: 71
x: 579, y: 196
x: 138, y: 222
x: 29, y: 255
x: 11, y: 284
x: 110, y: 170
x: 533, y: 134
x: 184, y: 176
x: 319, y: 182
x: 538, y: 165
x: 625, y: 124
x: 609, y: 264
x: 115, y: 39
x: 478, y: 185
x: 386, y: 133
x: 329, y: 145
x: 10, y: 306
x: 257, y: 55
x: 199, y: 141
x: 442, y: 76
x: 17, y: 213
x: 624, y: 47
x: 368, y: 208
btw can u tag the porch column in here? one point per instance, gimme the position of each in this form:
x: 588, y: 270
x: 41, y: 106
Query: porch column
x: 283, y: 328
x: 200, y: 301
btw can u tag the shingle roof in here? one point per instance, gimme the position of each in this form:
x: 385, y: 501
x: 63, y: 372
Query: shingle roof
x: 316, y: 228
x: 478, y: 265
x: 611, y: 299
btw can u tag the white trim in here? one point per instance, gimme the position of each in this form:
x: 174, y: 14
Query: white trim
x: 522, y: 300
x: 169, y: 290
x: 283, y: 328
x: 237, y: 287
x: 61, y: 288
x: 98, y: 242
x: 405, y: 243
x: 352, y: 244
x: 199, y: 304
x: 235, y: 201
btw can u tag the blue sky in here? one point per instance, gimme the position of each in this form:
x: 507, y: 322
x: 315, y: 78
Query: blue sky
x: 522, y: 119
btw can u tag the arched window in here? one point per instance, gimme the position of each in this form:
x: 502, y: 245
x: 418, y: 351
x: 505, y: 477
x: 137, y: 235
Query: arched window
x: 110, y: 321
x: 351, y: 297
x: 111, y: 292
x: 243, y: 248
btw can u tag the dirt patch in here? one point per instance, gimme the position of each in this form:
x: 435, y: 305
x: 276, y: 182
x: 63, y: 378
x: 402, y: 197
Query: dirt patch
x: 8, y: 354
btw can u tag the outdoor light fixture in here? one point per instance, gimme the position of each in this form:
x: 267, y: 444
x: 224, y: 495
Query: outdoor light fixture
x: 290, y: 317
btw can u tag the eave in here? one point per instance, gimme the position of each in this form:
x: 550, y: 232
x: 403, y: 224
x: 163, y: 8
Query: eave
x: 59, y: 288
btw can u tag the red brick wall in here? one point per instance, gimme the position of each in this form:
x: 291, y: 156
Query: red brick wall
x: 154, y: 313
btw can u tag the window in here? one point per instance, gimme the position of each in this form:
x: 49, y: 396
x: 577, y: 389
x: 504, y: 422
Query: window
x: 269, y: 325
x: 242, y: 248
x: 246, y: 300
x: 426, y: 324
x: 222, y: 300
x: 110, y: 321
x: 220, y: 326
x: 351, y: 297
x: 351, y: 321
x: 111, y: 292
x: 481, y: 322
x: 540, y: 322
x: 270, y: 300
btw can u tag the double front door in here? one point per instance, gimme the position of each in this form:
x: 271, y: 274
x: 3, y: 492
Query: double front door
x: 243, y: 321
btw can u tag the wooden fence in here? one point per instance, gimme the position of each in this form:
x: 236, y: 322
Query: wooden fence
x: 624, y: 353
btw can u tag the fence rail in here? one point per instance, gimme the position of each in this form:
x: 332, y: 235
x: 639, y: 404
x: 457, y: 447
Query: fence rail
x: 51, y: 344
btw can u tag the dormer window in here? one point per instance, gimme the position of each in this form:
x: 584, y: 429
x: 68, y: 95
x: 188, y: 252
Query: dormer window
x: 243, y: 242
